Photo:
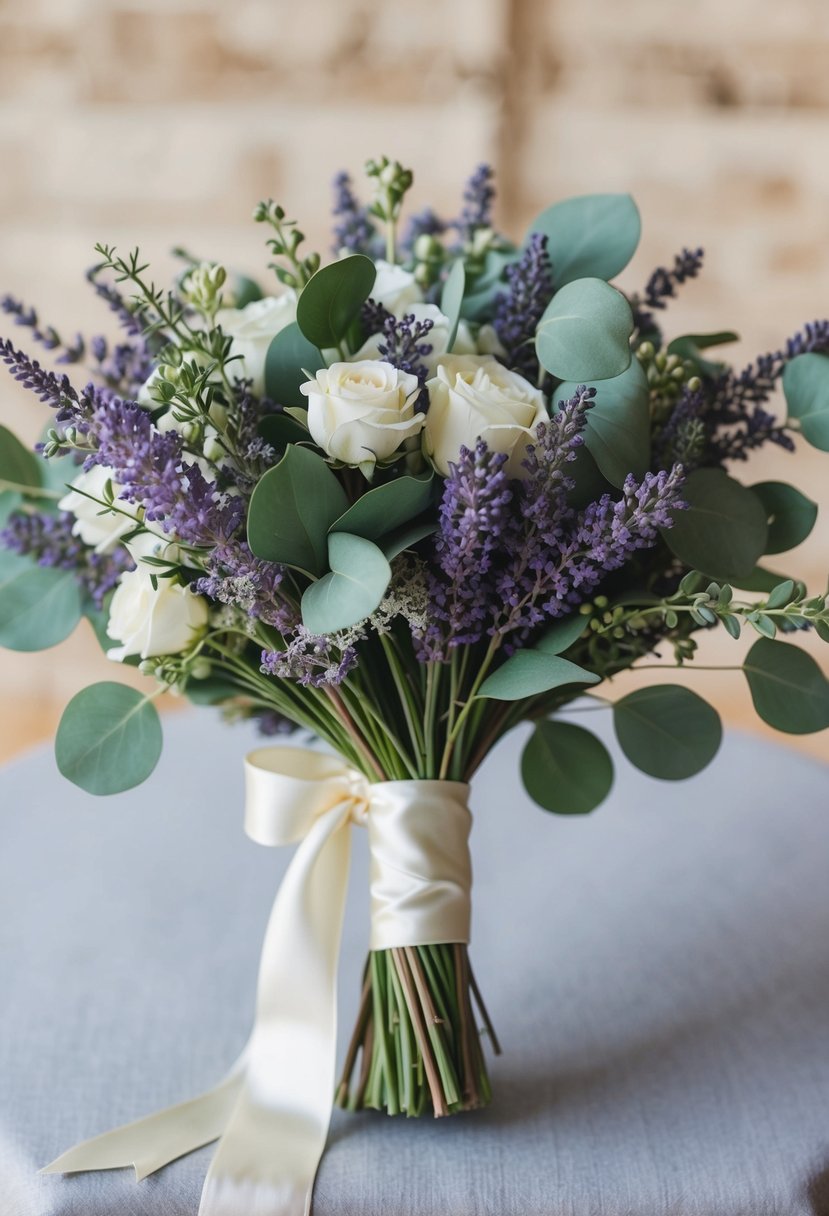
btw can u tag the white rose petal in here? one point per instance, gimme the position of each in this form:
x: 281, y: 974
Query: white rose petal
x: 395, y: 288
x: 362, y: 412
x: 252, y: 330
x: 474, y: 397
x: 150, y: 621
x: 94, y: 524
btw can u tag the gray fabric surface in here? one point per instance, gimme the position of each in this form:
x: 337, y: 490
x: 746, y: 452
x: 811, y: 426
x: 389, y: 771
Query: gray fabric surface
x: 658, y: 973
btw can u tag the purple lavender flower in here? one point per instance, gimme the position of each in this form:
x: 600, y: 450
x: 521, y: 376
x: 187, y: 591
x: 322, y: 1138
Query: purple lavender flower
x: 373, y: 317
x: 310, y: 660
x: 518, y: 311
x: 235, y: 577
x: 424, y: 223
x: 354, y: 230
x: 403, y: 345
x: 48, y: 540
x: 132, y: 318
x: 478, y: 197
x: 662, y: 285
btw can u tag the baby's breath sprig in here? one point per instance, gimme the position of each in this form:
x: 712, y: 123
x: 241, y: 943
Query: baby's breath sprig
x: 285, y: 244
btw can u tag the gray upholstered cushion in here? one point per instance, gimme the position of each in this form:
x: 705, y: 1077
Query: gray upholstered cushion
x: 659, y: 975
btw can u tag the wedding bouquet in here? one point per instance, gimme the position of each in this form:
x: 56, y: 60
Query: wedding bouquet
x: 439, y: 486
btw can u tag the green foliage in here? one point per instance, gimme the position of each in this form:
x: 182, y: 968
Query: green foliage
x: 39, y: 607
x: 290, y: 355
x: 618, y: 432
x: 291, y: 510
x: 481, y: 293
x: 566, y: 769
x: 212, y: 690
x: 724, y: 530
x: 387, y: 507
x: 352, y: 590
x: 584, y: 334
x: 109, y: 739
x: 806, y: 385
x: 19, y: 467
x: 530, y: 672
x: 790, y: 514
x: 406, y: 538
x: 285, y: 244
x: 667, y: 731
x: 591, y: 236
x: 279, y: 430
x: 451, y: 299
x: 788, y: 689
x: 690, y: 347
x: 332, y: 299
x: 562, y: 634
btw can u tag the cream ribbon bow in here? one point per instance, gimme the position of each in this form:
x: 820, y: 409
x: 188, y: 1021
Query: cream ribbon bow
x: 271, y: 1113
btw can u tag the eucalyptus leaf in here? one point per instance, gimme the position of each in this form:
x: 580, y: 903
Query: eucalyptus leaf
x: 386, y: 507
x: 332, y: 299
x: 724, y: 530
x: 482, y: 291
x: 290, y: 355
x: 109, y: 739
x: 759, y: 580
x: 39, y: 607
x: 9, y: 501
x: 213, y: 690
x: 527, y: 673
x: 788, y: 689
x: 562, y: 634
x: 591, y: 236
x: 406, y: 538
x: 246, y: 291
x: 588, y: 482
x: 451, y: 299
x: 618, y: 430
x: 19, y: 467
x: 292, y: 507
x: 585, y: 331
x: 691, y: 346
x: 790, y: 514
x: 566, y: 769
x: 667, y: 731
x: 806, y: 385
x: 281, y: 429
x: 352, y: 590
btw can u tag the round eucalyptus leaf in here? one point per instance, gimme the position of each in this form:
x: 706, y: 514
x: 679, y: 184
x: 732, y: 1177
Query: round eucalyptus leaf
x: 19, y: 467
x: 618, y: 430
x: 561, y: 635
x: 790, y: 514
x: 806, y: 385
x: 332, y: 299
x: 584, y: 334
x: 566, y: 769
x: 591, y: 236
x: 291, y: 509
x: 724, y: 530
x: 352, y: 590
x: 788, y: 689
x: 667, y: 731
x: 39, y: 607
x: 290, y: 355
x: 109, y: 739
x: 527, y: 673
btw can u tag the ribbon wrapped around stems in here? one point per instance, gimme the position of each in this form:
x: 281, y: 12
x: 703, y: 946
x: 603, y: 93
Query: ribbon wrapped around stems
x: 272, y: 1111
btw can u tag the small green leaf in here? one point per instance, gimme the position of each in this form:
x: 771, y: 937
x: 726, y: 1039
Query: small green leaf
x: 618, y: 431
x: 806, y: 385
x: 19, y: 467
x: 562, y: 634
x: 290, y: 355
x: 566, y: 769
x: 724, y: 530
x: 481, y: 293
x: 584, y: 334
x: 591, y: 236
x: 667, y: 731
x: 281, y: 429
x: 406, y: 538
x: 39, y: 607
x: 332, y: 299
x: 530, y: 672
x: 291, y: 510
x: 386, y: 507
x: 357, y: 582
x: 109, y: 739
x: 451, y: 299
x: 790, y: 514
x: 781, y: 594
x: 788, y: 689
x: 691, y: 346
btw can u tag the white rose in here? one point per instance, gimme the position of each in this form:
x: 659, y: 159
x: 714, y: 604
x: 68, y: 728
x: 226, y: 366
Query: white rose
x: 395, y: 288
x: 488, y: 341
x: 94, y: 524
x: 474, y: 397
x: 150, y: 621
x: 362, y: 412
x: 252, y: 330
x: 437, y: 337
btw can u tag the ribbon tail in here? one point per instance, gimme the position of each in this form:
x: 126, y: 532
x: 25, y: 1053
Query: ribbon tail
x: 154, y: 1141
x: 267, y: 1159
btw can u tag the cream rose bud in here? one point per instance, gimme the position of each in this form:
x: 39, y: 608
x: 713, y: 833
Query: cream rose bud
x: 395, y: 288
x: 94, y: 524
x: 153, y: 620
x: 362, y: 412
x: 474, y: 397
x: 252, y: 329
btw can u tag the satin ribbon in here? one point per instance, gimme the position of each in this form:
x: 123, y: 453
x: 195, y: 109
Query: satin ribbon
x: 271, y: 1112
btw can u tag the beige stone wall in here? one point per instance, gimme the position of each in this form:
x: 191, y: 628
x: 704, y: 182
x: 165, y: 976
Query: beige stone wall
x: 162, y: 121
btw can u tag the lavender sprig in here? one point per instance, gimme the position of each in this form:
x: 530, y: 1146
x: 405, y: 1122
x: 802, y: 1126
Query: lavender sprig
x: 312, y: 661
x: 403, y: 345
x: 353, y: 230
x: 48, y: 540
x: 518, y: 311
x: 478, y: 197
x: 237, y: 578
x: 662, y: 285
